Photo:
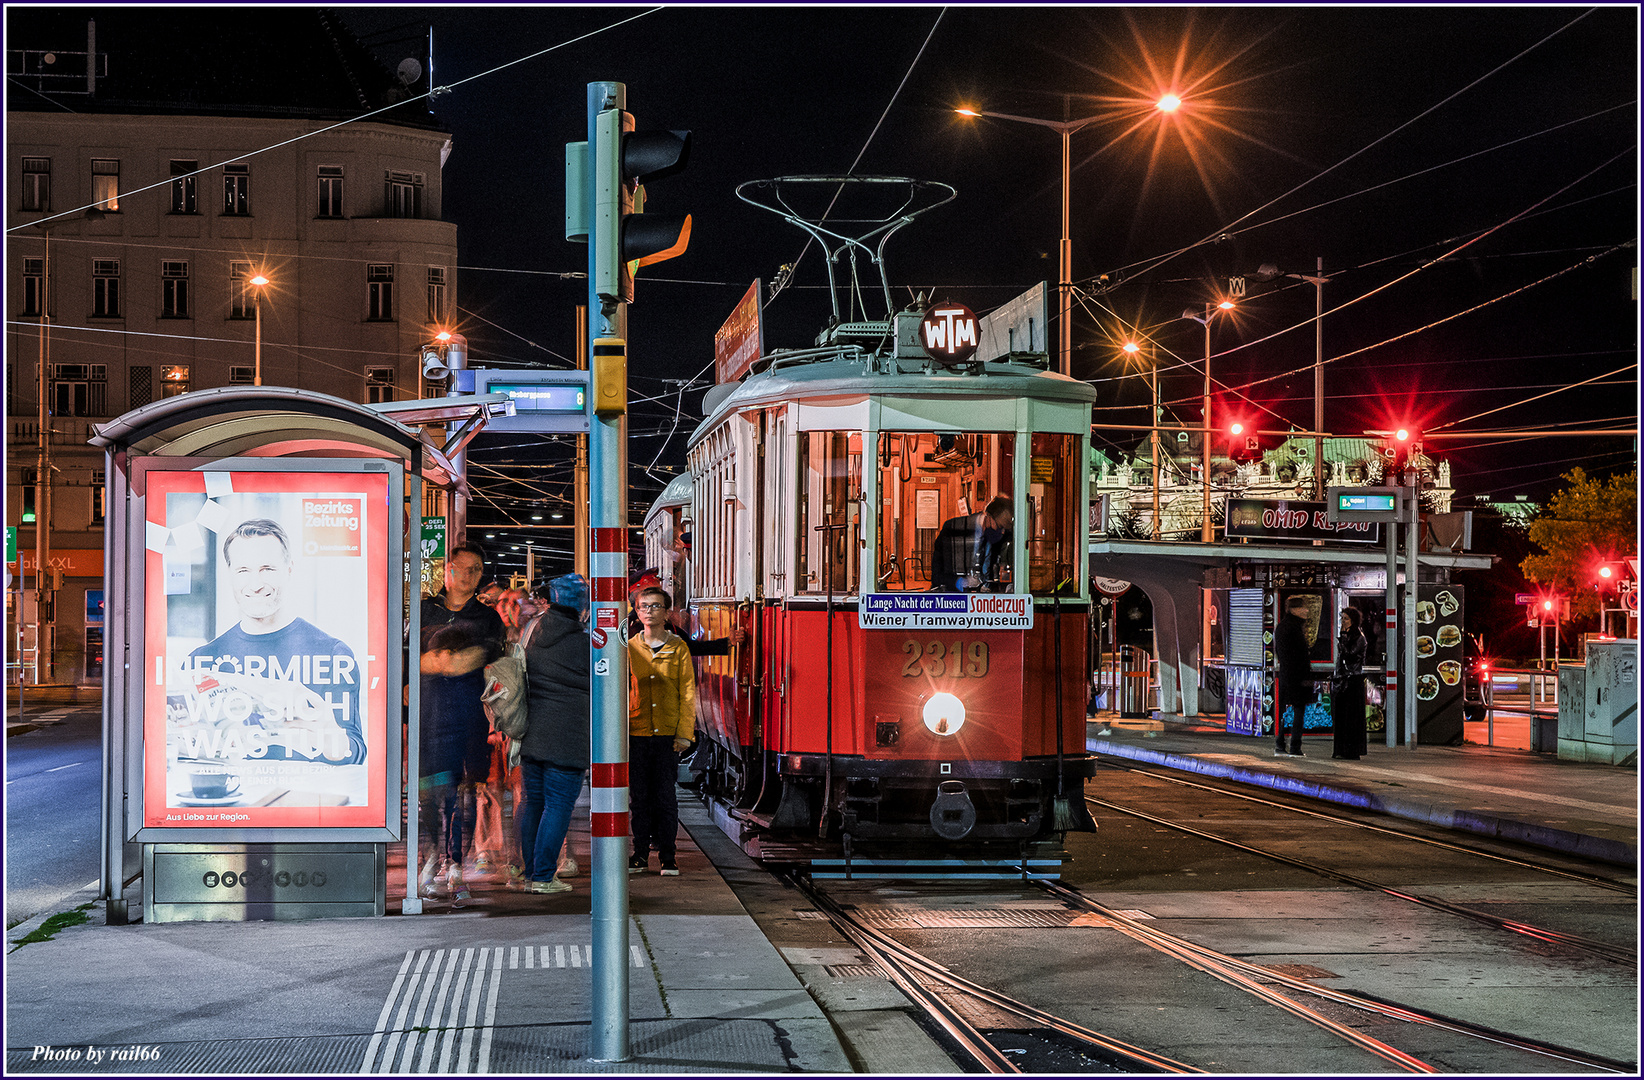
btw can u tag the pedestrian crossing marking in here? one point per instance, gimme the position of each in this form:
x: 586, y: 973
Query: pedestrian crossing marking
x: 447, y: 999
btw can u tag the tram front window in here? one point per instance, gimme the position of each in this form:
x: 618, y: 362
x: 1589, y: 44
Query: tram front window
x: 830, y: 508
x: 936, y: 530
x: 1046, y: 521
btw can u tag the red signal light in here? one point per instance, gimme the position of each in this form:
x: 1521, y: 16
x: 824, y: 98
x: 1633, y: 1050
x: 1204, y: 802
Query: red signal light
x: 1402, y: 434
x: 1235, y: 428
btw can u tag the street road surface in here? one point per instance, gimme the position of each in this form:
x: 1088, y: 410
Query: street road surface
x: 52, y: 806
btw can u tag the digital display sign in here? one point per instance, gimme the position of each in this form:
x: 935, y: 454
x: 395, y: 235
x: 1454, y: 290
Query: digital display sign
x: 1383, y: 502
x: 544, y: 397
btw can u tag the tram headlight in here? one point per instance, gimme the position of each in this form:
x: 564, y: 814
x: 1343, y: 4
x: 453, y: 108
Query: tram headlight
x: 944, y: 714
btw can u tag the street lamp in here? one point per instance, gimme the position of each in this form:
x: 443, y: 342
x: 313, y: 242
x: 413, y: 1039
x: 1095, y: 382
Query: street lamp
x: 258, y: 282
x: 1133, y: 349
x: 1066, y: 126
x: 1267, y: 272
x: 1207, y: 534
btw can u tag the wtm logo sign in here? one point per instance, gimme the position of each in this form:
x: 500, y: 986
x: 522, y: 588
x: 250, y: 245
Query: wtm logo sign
x: 949, y: 333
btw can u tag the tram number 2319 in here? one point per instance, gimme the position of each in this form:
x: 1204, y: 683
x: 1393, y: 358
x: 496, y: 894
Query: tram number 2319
x: 954, y: 659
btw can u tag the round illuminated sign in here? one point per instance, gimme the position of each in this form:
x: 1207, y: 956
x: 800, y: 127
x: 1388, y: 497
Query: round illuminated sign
x: 949, y: 333
x: 1111, y: 586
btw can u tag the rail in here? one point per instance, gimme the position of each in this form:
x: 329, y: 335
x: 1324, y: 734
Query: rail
x: 1534, y: 682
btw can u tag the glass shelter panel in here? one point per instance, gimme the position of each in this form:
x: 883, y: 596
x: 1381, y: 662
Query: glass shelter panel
x: 1048, y: 522
x: 928, y: 480
x: 830, y: 509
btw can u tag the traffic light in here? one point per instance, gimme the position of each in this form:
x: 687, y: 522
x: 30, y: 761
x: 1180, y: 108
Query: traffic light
x: 1402, y: 448
x: 1243, y: 444
x: 623, y: 236
x: 1609, y: 574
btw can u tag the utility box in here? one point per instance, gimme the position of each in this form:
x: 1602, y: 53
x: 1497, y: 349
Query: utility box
x: 1598, y: 705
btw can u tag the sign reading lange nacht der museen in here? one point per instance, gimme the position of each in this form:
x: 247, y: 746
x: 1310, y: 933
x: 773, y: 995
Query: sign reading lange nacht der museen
x: 1286, y: 519
x: 945, y: 611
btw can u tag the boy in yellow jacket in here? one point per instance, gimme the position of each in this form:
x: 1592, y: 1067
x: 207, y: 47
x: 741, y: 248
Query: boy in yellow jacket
x: 661, y: 724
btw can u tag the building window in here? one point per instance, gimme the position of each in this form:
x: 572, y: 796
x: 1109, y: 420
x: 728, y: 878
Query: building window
x: 331, y: 191
x: 436, y: 294
x: 99, y: 494
x: 28, y: 481
x: 241, y: 375
x: 173, y: 380
x: 379, y: 385
x: 79, y: 389
x: 34, y: 286
x: 37, y: 183
x: 242, y: 294
x: 105, y: 288
x: 404, y: 194
x: 173, y: 290
x: 183, y: 191
x: 105, y: 184
x: 237, y: 189
x: 379, y: 289
x: 140, y: 385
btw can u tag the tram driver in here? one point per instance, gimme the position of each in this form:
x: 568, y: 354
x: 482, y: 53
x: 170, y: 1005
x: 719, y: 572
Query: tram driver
x: 970, y: 548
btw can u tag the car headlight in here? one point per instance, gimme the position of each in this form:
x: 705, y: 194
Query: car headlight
x: 944, y: 714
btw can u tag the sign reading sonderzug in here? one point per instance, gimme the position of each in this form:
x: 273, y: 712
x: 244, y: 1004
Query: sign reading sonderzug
x: 1284, y: 519
x: 945, y: 611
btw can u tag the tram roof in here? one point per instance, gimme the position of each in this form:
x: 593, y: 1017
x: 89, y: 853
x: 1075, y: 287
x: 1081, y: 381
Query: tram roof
x: 846, y: 375
x: 677, y: 493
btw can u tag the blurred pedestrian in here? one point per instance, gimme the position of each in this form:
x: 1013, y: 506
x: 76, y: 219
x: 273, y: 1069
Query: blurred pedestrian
x: 661, y: 725
x: 1347, y: 687
x: 555, y: 751
x: 496, y: 836
x: 1295, y: 680
x: 460, y: 636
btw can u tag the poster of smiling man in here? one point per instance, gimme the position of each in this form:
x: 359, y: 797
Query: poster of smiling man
x: 265, y: 700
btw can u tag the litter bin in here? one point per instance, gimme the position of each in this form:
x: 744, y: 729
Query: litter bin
x: 1133, y: 672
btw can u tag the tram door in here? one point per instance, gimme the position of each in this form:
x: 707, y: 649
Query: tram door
x: 773, y: 576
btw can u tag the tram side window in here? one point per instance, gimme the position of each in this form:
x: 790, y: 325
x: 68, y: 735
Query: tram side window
x: 830, y: 493
x: 1049, y: 523
x: 931, y: 479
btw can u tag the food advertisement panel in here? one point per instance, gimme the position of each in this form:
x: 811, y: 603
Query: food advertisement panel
x: 1440, y: 663
x: 265, y: 701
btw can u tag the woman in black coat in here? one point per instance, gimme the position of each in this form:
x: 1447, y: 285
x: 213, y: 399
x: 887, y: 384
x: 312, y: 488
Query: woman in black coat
x: 1347, y: 687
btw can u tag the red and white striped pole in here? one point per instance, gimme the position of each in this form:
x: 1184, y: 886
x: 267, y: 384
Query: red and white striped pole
x: 1390, y: 642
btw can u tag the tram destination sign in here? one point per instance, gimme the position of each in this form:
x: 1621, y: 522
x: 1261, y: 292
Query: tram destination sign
x: 945, y: 611
x: 1288, y: 519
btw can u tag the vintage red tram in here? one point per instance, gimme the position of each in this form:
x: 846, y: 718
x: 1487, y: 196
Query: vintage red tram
x: 863, y: 702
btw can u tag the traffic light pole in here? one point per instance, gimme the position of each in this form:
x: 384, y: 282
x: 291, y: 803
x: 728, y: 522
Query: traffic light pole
x: 608, y: 566
x: 1390, y: 710
x: 1412, y: 589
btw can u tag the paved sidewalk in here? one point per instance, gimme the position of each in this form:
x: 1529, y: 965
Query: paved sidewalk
x: 1583, y: 809
x: 501, y: 983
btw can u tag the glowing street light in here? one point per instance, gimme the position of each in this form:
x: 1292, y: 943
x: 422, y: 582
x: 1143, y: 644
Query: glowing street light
x: 1169, y: 103
x: 258, y: 282
x: 1206, y: 533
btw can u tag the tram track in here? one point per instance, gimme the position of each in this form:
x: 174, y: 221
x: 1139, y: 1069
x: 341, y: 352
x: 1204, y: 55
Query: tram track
x: 913, y: 973
x: 1586, y: 879
x: 1617, y: 954
x: 1251, y: 977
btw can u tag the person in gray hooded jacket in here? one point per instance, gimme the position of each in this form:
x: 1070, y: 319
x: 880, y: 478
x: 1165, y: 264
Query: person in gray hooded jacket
x: 555, y: 751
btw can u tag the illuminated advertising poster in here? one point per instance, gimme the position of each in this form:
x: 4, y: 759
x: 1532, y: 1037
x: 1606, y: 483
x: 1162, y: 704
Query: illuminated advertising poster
x: 265, y: 699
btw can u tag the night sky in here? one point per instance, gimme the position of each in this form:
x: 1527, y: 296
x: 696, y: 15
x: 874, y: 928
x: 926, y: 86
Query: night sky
x: 1378, y: 138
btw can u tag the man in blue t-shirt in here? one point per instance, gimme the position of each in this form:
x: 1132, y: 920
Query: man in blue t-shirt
x: 296, y: 687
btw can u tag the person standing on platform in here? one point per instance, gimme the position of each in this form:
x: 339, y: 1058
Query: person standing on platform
x: 1295, y: 681
x: 661, y: 725
x: 1347, y: 687
x: 460, y: 636
x: 555, y: 751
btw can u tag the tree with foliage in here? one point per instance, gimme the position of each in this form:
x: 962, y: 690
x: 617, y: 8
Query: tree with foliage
x: 1593, y: 520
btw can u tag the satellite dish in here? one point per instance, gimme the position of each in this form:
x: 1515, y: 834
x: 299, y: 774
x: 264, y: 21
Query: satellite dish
x: 409, y: 71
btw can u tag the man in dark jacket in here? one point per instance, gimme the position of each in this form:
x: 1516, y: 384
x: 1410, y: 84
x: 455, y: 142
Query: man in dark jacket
x: 555, y: 751
x: 1295, y: 678
x: 460, y: 636
x: 968, y: 550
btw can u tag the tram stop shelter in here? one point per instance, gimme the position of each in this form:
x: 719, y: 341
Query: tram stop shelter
x: 1221, y: 598
x: 260, y: 548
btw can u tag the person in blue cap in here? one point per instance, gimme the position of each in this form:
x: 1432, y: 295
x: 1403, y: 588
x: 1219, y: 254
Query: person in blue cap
x: 555, y: 751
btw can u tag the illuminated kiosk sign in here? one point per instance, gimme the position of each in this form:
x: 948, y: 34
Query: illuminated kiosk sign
x: 1288, y: 519
x: 945, y: 611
